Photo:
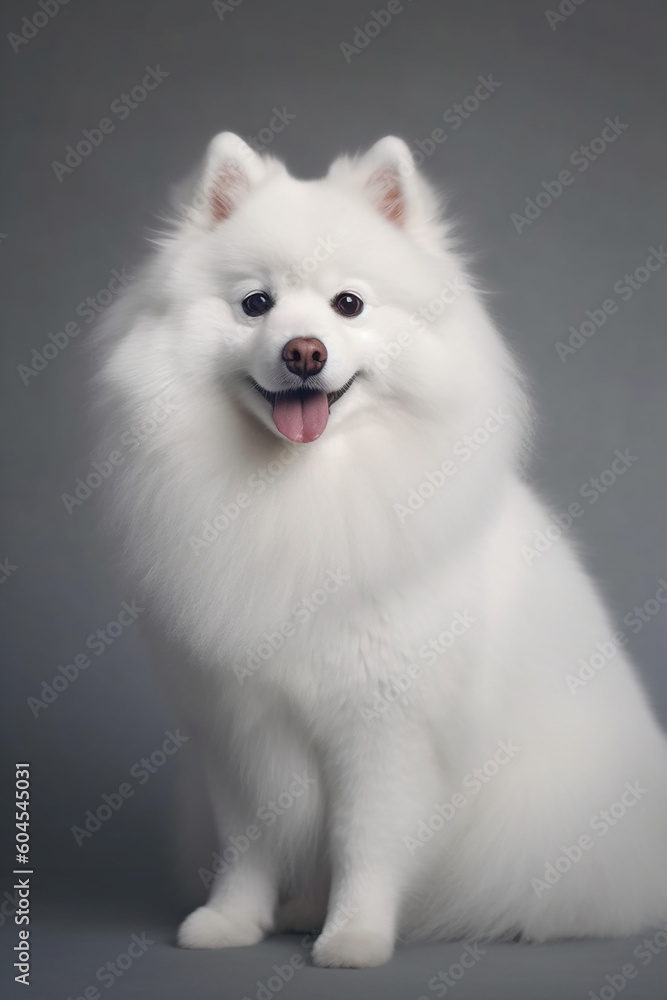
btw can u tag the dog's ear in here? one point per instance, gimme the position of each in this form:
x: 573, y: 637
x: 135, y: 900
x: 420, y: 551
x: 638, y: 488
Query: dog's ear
x: 231, y: 169
x: 385, y: 170
x: 388, y: 178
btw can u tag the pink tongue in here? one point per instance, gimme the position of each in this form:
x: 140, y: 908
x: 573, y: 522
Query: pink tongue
x: 301, y: 418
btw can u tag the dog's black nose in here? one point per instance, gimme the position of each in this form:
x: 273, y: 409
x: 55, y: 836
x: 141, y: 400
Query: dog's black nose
x: 305, y: 356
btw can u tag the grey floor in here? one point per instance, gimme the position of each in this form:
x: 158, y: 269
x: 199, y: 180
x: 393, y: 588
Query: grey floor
x: 71, y: 949
x: 60, y: 240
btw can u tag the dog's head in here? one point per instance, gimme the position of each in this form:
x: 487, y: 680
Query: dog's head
x: 304, y: 310
x: 312, y: 302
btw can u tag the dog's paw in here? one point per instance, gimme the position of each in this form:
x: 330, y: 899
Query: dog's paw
x: 205, y: 928
x: 348, y: 949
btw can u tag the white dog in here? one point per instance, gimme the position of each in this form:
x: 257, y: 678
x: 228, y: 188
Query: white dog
x: 416, y: 715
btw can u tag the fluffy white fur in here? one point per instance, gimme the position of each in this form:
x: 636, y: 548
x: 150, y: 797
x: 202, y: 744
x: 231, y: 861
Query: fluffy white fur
x: 352, y: 700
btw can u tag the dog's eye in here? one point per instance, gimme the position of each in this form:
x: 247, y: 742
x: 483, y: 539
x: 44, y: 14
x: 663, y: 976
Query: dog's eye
x: 347, y: 304
x: 257, y: 303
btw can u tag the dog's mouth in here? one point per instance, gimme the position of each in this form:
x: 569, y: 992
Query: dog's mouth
x: 301, y: 414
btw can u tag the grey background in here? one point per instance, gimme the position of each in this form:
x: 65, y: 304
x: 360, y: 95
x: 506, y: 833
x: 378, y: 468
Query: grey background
x: 60, y: 243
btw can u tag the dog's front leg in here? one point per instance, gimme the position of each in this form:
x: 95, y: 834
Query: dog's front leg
x: 241, y: 903
x: 377, y: 789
